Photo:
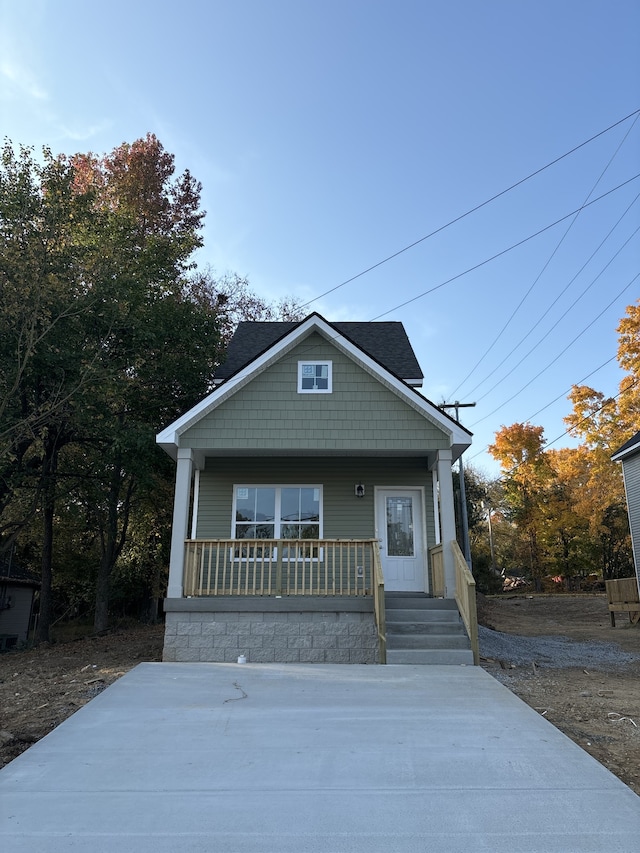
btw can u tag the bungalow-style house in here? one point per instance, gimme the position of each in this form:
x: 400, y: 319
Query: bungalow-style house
x: 314, y: 495
x: 17, y: 590
x: 629, y: 456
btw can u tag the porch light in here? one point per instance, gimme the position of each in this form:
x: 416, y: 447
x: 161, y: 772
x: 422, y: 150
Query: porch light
x: 359, y: 490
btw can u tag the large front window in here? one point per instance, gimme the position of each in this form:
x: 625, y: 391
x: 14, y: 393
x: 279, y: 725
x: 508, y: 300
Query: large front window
x: 277, y: 512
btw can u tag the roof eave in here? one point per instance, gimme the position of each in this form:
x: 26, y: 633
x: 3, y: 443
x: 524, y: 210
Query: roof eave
x: 623, y: 453
x: 169, y: 438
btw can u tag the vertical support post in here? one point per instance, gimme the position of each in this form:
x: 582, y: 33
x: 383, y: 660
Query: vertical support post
x: 463, y: 516
x: 279, y: 570
x: 447, y: 519
x: 180, y: 527
x: 464, y: 521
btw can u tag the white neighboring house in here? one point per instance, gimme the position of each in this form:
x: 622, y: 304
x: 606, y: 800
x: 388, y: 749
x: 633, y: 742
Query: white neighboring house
x: 629, y: 455
x: 17, y: 591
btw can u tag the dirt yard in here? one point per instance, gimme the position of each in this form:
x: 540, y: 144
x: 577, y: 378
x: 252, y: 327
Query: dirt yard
x: 39, y: 688
x: 597, y: 708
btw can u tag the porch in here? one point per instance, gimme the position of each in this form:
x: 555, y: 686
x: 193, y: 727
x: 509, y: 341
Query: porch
x: 296, y: 600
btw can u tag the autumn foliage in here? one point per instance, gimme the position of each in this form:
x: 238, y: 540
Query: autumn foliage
x: 107, y: 333
x: 566, y: 508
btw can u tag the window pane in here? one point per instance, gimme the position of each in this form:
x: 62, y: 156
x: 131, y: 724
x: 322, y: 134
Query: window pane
x: 265, y: 504
x: 399, y: 527
x: 255, y: 504
x: 246, y: 504
x: 290, y: 531
x: 309, y: 504
x: 290, y: 505
x: 322, y: 376
x: 254, y: 531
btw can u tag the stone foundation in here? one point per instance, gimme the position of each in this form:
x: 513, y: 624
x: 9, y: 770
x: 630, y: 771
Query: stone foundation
x: 270, y: 631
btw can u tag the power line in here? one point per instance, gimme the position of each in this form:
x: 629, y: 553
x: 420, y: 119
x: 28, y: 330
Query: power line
x: 555, y: 400
x: 545, y: 265
x: 472, y: 210
x: 588, y: 417
x: 560, y: 319
x: 499, y: 254
x: 562, y: 292
x: 553, y: 361
x: 503, y: 252
x: 565, y: 393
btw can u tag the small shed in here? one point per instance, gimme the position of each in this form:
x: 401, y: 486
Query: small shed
x: 17, y: 590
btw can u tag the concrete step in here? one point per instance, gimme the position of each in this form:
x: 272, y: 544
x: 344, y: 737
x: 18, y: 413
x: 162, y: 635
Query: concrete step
x: 412, y: 601
x: 400, y: 627
x: 426, y: 641
x: 423, y: 630
x: 422, y: 657
x: 432, y: 616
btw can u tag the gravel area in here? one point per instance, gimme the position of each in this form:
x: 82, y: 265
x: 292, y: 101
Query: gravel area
x: 551, y: 652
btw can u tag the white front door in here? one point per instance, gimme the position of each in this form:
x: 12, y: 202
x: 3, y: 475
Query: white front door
x: 399, y: 524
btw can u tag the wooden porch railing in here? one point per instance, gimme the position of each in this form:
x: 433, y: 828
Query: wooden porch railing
x: 378, y: 601
x: 280, y: 566
x: 287, y: 567
x: 437, y: 572
x: 466, y: 599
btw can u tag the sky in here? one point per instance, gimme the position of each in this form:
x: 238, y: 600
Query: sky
x: 331, y: 135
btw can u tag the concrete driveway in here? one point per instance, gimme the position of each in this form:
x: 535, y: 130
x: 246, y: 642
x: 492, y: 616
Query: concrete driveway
x: 175, y: 758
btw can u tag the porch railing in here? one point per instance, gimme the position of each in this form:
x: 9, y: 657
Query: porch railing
x: 437, y: 571
x: 288, y: 567
x: 378, y: 601
x: 466, y: 599
x: 282, y: 567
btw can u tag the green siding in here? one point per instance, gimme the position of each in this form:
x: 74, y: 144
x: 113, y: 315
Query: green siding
x: 344, y: 515
x: 361, y: 414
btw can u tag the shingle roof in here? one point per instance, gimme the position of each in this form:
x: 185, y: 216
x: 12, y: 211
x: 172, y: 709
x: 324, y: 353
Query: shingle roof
x: 10, y: 571
x: 628, y: 447
x: 386, y: 342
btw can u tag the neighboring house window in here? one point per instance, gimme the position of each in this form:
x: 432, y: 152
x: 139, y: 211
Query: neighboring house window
x: 277, y: 512
x: 314, y: 377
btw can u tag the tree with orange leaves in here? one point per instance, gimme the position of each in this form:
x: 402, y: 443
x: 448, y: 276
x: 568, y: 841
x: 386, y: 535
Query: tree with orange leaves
x: 604, y: 424
x: 520, y: 451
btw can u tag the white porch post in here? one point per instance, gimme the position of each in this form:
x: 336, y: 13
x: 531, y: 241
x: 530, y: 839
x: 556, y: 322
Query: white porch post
x: 180, y: 526
x: 447, y: 519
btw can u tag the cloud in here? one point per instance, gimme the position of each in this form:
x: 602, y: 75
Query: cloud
x: 18, y: 82
x: 81, y: 134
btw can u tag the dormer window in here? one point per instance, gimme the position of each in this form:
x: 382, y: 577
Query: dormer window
x: 314, y: 377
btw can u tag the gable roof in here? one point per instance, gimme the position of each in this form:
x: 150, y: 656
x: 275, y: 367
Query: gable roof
x: 629, y: 448
x: 11, y: 572
x: 459, y: 436
x: 386, y: 342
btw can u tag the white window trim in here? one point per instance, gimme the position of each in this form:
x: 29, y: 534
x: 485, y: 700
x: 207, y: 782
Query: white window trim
x: 277, y: 524
x: 328, y: 389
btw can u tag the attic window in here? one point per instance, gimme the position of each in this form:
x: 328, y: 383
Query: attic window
x: 314, y: 377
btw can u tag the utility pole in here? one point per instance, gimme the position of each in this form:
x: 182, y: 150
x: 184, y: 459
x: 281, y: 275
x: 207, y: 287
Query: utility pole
x: 463, y: 497
x: 487, y: 506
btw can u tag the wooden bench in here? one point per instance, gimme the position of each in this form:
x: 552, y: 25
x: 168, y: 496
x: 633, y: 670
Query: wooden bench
x: 623, y: 598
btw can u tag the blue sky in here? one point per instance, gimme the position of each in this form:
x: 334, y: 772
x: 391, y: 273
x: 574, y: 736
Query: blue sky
x: 330, y: 135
